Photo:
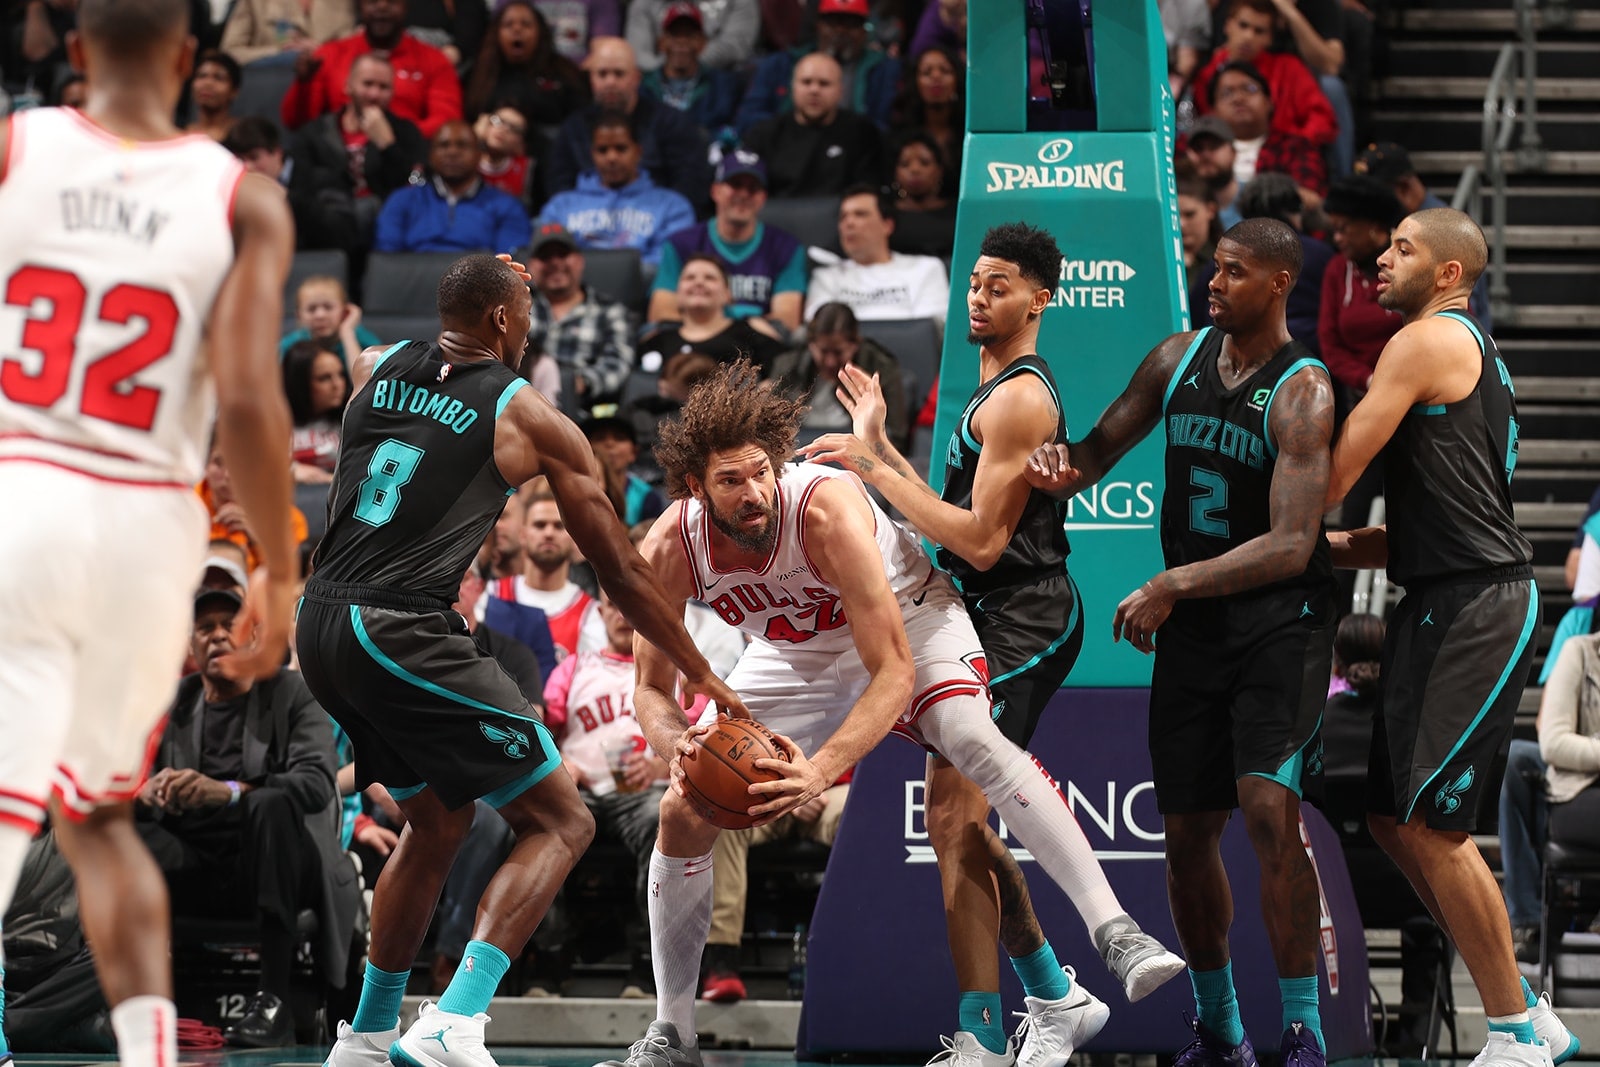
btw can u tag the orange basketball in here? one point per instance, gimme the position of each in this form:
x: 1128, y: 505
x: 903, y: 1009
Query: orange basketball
x: 718, y: 776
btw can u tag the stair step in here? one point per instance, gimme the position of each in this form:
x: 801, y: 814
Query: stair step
x: 1553, y: 283
x: 1550, y: 317
x: 1407, y: 86
x: 1452, y: 163
x: 1425, y: 130
x: 1500, y: 19
x: 1538, y: 387
x: 1557, y: 59
x: 1553, y: 206
x: 1540, y: 451
x: 1542, y: 516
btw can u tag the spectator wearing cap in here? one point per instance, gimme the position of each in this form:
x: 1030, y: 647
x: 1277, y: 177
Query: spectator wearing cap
x: 242, y: 815
x: 617, y: 444
x: 1391, y: 163
x: 426, y: 90
x: 1352, y: 327
x: 456, y: 211
x: 280, y: 31
x: 819, y: 148
x: 1299, y: 106
x: 868, y: 79
x: 518, y: 65
x: 765, y: 266
x: 681, y: 79
x: 729, y: 29
x: 615, y: 205
x: 1244, y: 100
x: 673, y: 149
x: 589, y: 334
x: 1209, y: 146
x: 874, y: 282
x: 213, y: 89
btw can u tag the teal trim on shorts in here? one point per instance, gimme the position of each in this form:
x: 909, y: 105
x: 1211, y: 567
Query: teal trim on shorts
x: 1266, y: 412
x: 1183, y: 365
x: 391, y: 350
x: 511, y: 390
x: 406, y: 676
x: 1516, y: 654
x: 511, y: 791
x: 1072, y: 624
x: 406, y: 792
x: 1290, y: 773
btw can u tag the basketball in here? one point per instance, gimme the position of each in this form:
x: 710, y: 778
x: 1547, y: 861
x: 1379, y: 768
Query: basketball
x: 717, y: 778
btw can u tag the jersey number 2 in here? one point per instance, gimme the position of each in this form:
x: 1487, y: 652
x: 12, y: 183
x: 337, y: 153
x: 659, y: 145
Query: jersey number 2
x: 108, y: 393
x: 392, y: 465
x: 1206, y: 505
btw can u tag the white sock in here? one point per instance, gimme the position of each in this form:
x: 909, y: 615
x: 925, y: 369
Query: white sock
x: 680, y: 920
x: 147, y: 1032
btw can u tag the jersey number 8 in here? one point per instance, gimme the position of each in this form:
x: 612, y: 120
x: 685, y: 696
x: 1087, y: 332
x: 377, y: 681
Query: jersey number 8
x: 391, y: 466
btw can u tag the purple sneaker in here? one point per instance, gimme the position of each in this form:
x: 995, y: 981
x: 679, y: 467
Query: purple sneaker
x: 1300, y: 1048
x: 1208, y: 1050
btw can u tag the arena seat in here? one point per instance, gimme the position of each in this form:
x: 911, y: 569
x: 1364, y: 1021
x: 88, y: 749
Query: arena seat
x: 261, y: 90
x: 914, y: 343
x: 813, y: 219
x: 404, y: 283
x: 391, y: 327
x: 617, y: 273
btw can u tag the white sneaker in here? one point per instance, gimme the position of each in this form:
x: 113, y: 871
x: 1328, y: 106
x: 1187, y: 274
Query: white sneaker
x: 965, y: 1050
x: 1552, y: 1031
x: 1140, y: 962
x: 661, y: 1046
x: 442, y: 1039
x: 1052, y: 1029
x: 1503, y: 1050
x: 361, y: 1050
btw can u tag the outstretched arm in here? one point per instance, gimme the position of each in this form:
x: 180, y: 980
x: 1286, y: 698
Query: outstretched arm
x: 1301, y: 423
x: 1063, y: 470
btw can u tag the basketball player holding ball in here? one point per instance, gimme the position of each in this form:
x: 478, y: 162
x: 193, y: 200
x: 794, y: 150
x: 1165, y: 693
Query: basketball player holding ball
x: 854, y: 634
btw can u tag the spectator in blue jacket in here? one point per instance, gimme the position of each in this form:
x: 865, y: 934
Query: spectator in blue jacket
x: 616, y: 205
x: 674, y: 148
x: 870, y: 81
x: 455, y: 211
x: 682, y: 82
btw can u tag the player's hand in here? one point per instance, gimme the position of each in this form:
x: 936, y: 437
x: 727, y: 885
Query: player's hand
x: 845, y: 449
x: 715, y: 690
x: 801, y: 783
x: 684, y: 748
x: 1050, y: 469
x: 380, y: 839
x: 261, y: 629
x: 862, y: 396
x: 522, y: 271
x: 1141, y: 614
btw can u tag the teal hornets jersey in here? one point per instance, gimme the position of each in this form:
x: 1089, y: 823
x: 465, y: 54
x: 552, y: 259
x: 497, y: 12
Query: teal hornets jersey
x: 1038, y: 547
x: 1220, y: 457
x: 417, y: 490
x: 1447, y: 478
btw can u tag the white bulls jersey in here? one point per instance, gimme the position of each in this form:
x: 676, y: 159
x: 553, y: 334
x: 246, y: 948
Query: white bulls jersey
x: 784, y: 602
x: 111, y: 253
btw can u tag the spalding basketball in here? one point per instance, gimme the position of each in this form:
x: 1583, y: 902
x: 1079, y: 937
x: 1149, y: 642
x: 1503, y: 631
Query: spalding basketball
x: 718, y: 776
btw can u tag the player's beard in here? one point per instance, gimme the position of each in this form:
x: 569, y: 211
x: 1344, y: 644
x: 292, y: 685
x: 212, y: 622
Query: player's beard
x: 1407, y: 296
x: 743, y: 537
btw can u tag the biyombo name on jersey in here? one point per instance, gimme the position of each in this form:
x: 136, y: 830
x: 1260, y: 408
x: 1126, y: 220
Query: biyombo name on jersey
x: 395, y: 395
x: 1054, y: 172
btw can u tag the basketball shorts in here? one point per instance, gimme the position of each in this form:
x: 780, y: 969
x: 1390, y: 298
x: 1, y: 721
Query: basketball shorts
x: 1455, y: 658
x: 1031, y: 635
x: 424, y: 708
x: 806, y: 695
x: 97, y: 582
x: 1238, y: 689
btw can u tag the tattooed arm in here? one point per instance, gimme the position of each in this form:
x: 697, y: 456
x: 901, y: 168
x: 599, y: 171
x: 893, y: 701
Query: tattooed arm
x: 1302, y: 425
x: 1062, y: 470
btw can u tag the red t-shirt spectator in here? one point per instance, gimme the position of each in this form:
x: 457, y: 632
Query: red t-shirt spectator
x: 1298, y: 104
x: 426, y: 90
x: 1351, y: 328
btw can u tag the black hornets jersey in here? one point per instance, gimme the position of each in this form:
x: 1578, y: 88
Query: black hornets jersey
x: 1220, y: 457
x: 417, y: 490
x: 1447, y: 479
x: 1038, y: 547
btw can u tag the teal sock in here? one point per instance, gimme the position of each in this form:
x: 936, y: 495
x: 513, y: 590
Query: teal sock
x: 1299, y: 997
x: 381, y: 993
x: 1527, y: 995
x: 1217, y: 1005
x: 1041, y: 974
x: 5, y: 1046
x: 477, y: 977
x: 1518, y: 1026
x: 980, y: 1016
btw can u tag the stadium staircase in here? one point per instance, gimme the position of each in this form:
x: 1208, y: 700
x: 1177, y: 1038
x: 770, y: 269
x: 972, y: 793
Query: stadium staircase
x: 1441, y: 55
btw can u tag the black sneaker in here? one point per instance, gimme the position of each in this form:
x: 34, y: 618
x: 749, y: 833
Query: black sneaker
x: 1207, y: 1049
x: 267, y: 1023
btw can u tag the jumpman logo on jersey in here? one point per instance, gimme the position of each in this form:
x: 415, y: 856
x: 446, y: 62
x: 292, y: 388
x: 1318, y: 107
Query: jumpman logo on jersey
x: 1305, y: 609
x: 1193, y: 379
x: 1448, y: 798
x: 438, y: 1036
x: 515, y: 741
x: 1427, y: 620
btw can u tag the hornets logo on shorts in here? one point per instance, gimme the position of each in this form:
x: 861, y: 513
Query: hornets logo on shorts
x: 1448, y: 798
x: 515, y: 741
